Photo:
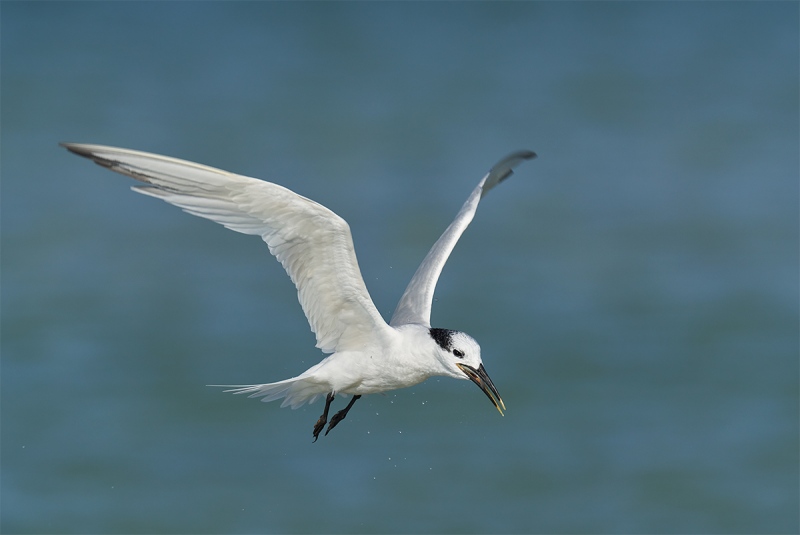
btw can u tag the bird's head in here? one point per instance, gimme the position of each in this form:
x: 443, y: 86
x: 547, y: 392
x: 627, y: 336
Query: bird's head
x: 460, y: 355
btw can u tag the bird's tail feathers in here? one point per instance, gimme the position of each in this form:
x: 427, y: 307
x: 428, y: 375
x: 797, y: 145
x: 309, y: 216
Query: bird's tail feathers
x: 296, y: 391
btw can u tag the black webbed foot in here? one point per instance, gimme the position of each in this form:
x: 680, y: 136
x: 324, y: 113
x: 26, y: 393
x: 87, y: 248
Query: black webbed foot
x: 339, y: 416
x: 324, y: 418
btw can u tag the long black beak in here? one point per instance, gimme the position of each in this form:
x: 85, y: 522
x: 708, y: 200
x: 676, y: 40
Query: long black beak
x: 481, y: 378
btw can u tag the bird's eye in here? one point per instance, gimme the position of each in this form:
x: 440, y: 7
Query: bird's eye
x: 458, y: 353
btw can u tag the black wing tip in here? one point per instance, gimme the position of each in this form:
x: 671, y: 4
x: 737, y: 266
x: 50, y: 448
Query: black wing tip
x: 524, y: 154
x: 505, y: 168
x: 77, y: 148
x: 88, y: 151
x: 507, y: 164
x: 514, y: 159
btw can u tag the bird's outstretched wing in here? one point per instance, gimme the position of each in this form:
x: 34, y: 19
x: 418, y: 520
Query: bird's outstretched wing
x: 415, y: 304
x: 312, y: 243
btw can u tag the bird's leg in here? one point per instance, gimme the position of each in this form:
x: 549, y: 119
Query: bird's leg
x: 339, y: 416
x: 324, y: 418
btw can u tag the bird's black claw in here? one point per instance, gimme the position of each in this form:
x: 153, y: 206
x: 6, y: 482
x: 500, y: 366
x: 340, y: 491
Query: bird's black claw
x: 338, y: 417
x: 318, y: 427
x: 324, y: 418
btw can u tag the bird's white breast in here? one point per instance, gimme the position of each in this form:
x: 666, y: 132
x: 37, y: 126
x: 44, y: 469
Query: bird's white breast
x: 405, y: 359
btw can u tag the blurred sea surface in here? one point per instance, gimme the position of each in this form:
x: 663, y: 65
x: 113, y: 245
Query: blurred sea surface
x: 634, y: 289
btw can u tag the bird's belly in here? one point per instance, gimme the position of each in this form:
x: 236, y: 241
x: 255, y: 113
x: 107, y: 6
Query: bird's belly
x: 374, y: 385
x: 365, y: 374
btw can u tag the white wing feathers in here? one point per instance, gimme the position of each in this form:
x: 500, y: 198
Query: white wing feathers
x: 415, y: 304
x: 312, y: 243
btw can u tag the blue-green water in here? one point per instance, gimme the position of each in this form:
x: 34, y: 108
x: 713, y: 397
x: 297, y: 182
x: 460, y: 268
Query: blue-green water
x: 634, y: 290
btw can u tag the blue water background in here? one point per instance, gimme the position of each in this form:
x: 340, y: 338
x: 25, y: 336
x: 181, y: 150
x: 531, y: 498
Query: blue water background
x: 634, y: 289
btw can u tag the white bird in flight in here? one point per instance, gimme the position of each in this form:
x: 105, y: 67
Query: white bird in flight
x: 314, y: 245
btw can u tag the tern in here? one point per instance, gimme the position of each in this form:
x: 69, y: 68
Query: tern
x: 315, y: 247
